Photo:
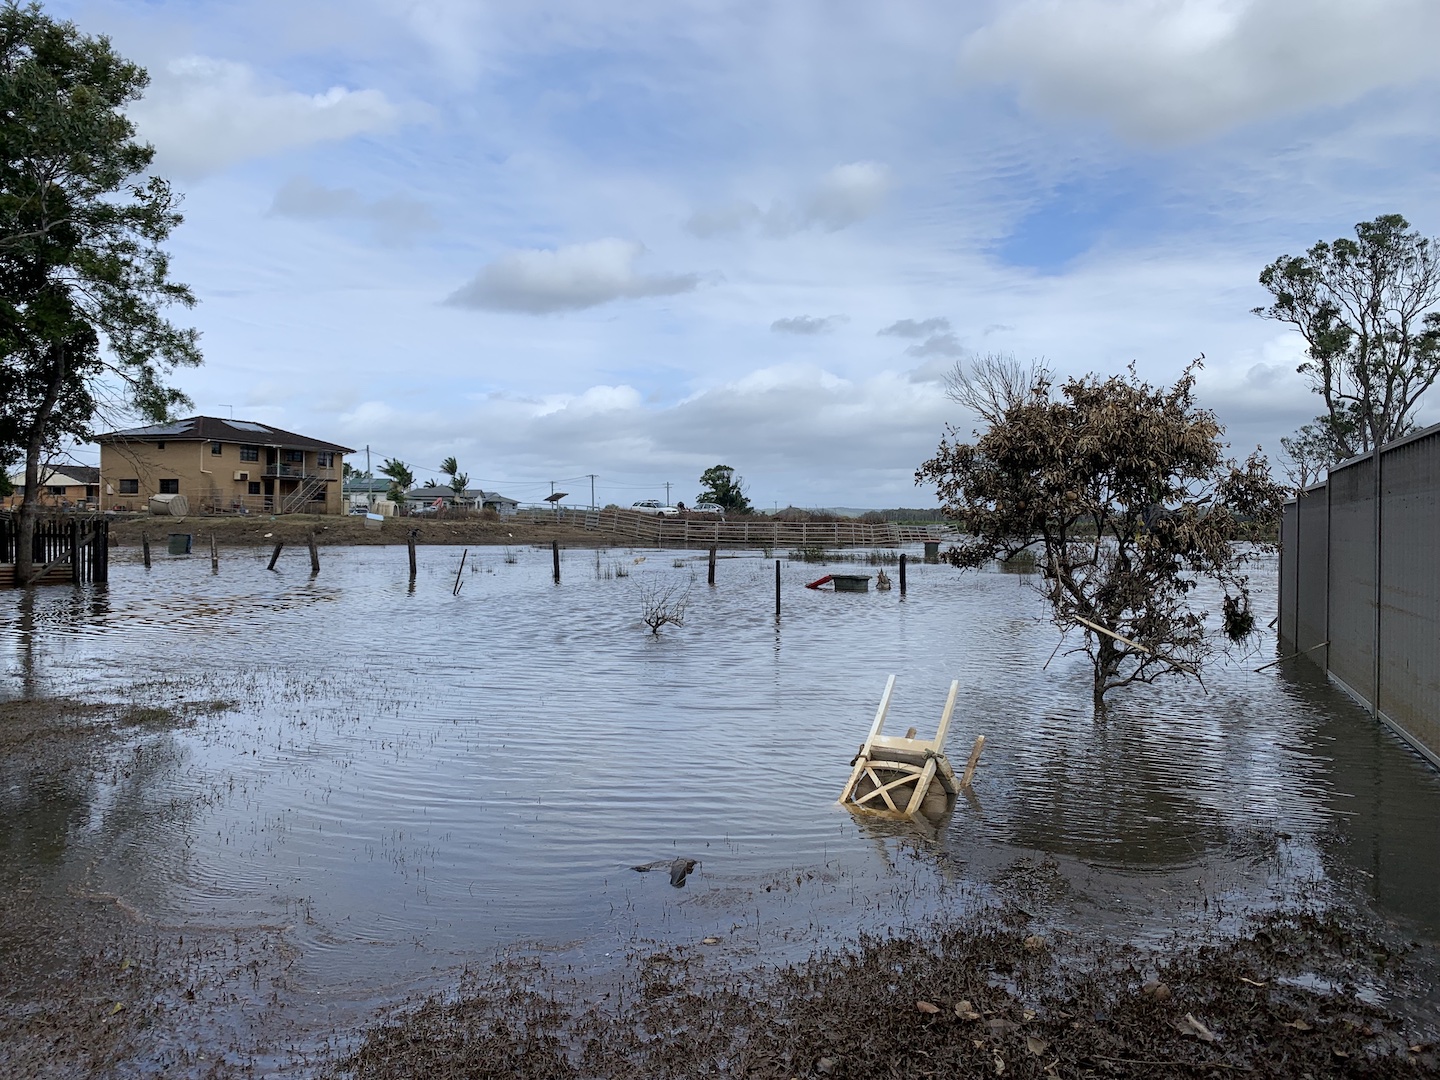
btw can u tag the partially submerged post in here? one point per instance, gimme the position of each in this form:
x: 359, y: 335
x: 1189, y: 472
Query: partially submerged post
x: 902, y: 573
x: 411, y: 541
x: 902, y: 774
x: 145, y: 548
x: 555, y: 554
x: 275, y: 555
x: 314, y: 555
x: 777, y: 590
x: 214, y: 555
x: 460, y: 570
x: 710, y: 579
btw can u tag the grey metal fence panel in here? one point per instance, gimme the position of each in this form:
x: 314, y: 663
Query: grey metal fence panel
x: 1289, y: 564
x: 1352, y: 576
x: 1410, y: 588
x: 1312, y: 572
x: 1372, y: 587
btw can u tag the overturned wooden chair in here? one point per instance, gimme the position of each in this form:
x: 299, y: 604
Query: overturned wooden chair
x: 898, y: 773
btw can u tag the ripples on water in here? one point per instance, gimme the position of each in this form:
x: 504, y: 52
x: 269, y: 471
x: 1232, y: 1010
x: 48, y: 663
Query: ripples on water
x: 409, y: 777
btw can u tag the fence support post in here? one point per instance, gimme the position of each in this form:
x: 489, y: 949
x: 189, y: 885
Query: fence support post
x: 711, y: 576
x: 145, y: 548
x: 555, y: 555
x: 902, y: 573
x: 777, y: 590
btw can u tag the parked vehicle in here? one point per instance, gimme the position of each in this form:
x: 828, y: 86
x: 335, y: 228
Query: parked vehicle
x: 654, y: 506
x: 708, y: 508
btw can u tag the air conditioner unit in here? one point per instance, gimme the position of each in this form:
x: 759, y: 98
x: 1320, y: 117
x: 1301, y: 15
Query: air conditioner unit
x: 242, y: 476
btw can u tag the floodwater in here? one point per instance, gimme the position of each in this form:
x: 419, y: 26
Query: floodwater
x: 409, y: 779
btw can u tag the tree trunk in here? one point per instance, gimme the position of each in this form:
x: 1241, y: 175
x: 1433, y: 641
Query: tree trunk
x: 34, y: 447
x: 1107, y: 663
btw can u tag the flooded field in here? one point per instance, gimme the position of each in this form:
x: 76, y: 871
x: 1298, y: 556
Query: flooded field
x: 405, y: 781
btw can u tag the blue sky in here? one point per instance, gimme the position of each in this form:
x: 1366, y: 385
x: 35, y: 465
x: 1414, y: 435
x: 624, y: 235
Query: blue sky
x: 639, y: 239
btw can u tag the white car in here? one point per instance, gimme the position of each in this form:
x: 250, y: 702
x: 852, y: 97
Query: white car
x: 654, y: 506
x: 707, y: 508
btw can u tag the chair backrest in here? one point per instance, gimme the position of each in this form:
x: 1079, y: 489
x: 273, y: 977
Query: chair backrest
x: 878, y: 741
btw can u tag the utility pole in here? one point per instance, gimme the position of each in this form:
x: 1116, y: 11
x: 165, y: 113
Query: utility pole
x: 592, y: 490
x: 667, y: 492
x: 367, y: 459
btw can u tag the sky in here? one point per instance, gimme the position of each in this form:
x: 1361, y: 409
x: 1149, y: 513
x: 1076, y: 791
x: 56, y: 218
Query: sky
x: 639, y: 238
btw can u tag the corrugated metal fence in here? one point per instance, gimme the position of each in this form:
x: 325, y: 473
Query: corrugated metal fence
x: 1360, y: 569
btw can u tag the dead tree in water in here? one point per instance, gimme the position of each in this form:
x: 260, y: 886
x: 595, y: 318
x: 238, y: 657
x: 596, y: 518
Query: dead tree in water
x: 662, y: 605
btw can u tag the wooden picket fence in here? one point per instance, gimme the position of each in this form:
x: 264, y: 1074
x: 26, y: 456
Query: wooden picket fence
x: 71, y: 549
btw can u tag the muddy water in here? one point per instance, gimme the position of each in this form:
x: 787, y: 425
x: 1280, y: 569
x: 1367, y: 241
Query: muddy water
x: 407, y: 780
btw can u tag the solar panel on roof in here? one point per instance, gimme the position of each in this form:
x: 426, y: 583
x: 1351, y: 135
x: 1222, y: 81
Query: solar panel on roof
x: 246, y: 425
x: 161, y: 429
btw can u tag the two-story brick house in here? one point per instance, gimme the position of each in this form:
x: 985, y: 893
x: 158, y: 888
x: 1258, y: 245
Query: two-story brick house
x: 221, y: 466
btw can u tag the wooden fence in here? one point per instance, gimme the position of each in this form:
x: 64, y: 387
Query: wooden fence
x: 703, y: 532
x: 72, y: 548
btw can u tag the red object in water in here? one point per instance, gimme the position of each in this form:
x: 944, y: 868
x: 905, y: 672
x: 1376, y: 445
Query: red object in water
x: 820, y: 581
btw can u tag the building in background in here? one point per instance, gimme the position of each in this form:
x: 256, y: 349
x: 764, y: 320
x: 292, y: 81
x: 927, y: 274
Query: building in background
x: 62, y: 487
x: 221, y: 466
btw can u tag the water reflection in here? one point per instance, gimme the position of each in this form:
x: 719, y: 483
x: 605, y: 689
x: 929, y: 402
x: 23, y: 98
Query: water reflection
x: 456, y: 772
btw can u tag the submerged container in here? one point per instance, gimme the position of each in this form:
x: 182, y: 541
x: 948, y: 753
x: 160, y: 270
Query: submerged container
x: 180, y: 543
x: 852, y: 582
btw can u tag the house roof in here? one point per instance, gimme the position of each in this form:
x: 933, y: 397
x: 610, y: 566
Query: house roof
x: 66, y: 475
x: 429, y: 494
x: 357, y: 485
x: 213, y: 429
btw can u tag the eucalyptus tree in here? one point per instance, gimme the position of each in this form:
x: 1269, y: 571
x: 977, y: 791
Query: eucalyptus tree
x: 1121, y: 490
x: 1366, y: 308
x: 84, y: 280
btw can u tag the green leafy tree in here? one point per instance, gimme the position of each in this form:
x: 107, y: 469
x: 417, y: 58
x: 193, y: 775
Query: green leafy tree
x: 350, y: 472
x: 1366, y: 309
x: 1121, y: 491
x: 401, y: 480
x: 720, y: 485
x: 83, y: 277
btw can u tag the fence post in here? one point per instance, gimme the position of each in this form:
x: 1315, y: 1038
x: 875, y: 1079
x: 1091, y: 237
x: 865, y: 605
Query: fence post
x: 777, y: 590
x: 274, y: 555
x: 902, y: 573
x: 214, y: 555
x: 555, y: 555
x: 145, y: 548
x: 410, y: 541
x: 711, y: 577
x: 314, y: 555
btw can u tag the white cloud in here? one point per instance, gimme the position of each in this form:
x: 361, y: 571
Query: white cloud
x: 847, y: 194
x: 1166, y: 70
x: 205, y: 114
x: 539, y: 282
x: 807, y: 324
x: 396, y: 218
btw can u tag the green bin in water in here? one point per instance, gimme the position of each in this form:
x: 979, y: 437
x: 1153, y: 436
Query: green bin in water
x: 180, y: 543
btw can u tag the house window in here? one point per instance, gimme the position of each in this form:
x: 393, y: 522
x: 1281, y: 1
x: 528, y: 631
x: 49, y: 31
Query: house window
x: 325, y: 459
x: 216, y: 449
x: 160, y: 445
x: 55, y: 489
x: 169, y: 487
x: 129, y: 487
x: 295, y: 456
x: 249, y: 453
x: 254, y: 487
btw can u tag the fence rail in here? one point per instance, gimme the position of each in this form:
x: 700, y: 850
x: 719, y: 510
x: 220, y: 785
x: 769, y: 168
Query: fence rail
x: 71, y: 548
x: 703, y: 532
x: 1359, y: 576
